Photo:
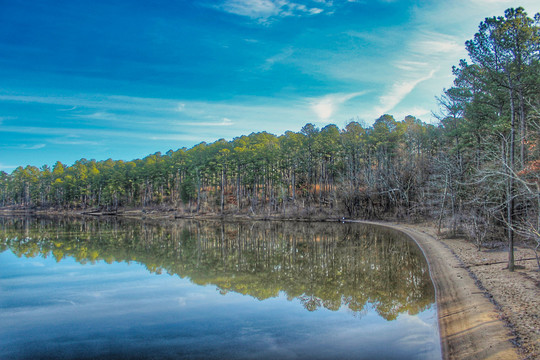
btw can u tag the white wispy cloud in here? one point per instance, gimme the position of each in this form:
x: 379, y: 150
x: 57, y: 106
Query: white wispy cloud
x: 182, y: 120
x: 99, y: 115
x: 33, y: 147
x: 4, y: 118
x: 224, y: 122
x: 398, y: 92
x: 427, y: 50
x: 327, y: 105
x: 70, y: 109
x: 36, y: 99
x: 93, y: 101
x: 4, y: 167
x: 174, y: 137
x: 432, y: 43
x: 279, y: 57
x: 252, y: 8
x: 74, y: 141
x: 263, y: 10
x: 77, y: 133
x: 490, y: 2
x: 408, y: 65
x: 24, y: 146
x: 424, y: 52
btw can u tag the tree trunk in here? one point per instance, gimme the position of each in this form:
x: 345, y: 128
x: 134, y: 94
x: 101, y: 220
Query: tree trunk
x: 522, y: 128
x: 510, y: 192
x: 198, y: 192
x: 222, y: 190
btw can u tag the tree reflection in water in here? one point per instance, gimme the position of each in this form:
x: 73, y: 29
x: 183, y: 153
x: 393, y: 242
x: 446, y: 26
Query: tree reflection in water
x: 326, y: 265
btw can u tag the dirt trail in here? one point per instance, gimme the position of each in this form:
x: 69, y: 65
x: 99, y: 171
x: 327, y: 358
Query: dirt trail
x: 469, y: 323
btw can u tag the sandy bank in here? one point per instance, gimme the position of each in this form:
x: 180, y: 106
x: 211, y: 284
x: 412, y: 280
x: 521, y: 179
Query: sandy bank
x: 470, y: 326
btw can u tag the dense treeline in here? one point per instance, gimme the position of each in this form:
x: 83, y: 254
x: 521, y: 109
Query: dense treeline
x: 478, y: 169
x: 369, y: 171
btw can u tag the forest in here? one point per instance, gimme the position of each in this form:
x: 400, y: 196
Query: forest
x: 476, y: 171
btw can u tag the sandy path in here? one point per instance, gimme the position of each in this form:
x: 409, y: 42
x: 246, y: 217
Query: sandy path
x: 469, y: 324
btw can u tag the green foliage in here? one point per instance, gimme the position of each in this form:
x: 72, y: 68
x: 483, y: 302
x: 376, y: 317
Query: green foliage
x: 257, y: 172
x: 188, y: 190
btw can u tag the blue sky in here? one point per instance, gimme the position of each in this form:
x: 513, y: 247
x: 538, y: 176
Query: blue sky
x: 123, y: 79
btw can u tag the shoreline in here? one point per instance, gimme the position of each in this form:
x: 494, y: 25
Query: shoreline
x: 469, y: 324
x: 473, y: 323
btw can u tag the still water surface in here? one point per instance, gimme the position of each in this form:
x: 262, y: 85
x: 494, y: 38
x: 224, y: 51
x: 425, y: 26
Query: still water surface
x: 85, y: 289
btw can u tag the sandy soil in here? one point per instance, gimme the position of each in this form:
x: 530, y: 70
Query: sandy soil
x: 485, y: 312
x: 516, y: 294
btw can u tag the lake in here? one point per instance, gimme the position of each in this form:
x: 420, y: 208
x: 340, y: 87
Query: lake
x: 74, y: 288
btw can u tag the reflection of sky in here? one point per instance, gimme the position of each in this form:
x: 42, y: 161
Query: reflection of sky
x: 68, y: 310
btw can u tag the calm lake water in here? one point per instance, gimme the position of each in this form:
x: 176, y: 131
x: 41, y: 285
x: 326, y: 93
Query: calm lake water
x: 86, y: 289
